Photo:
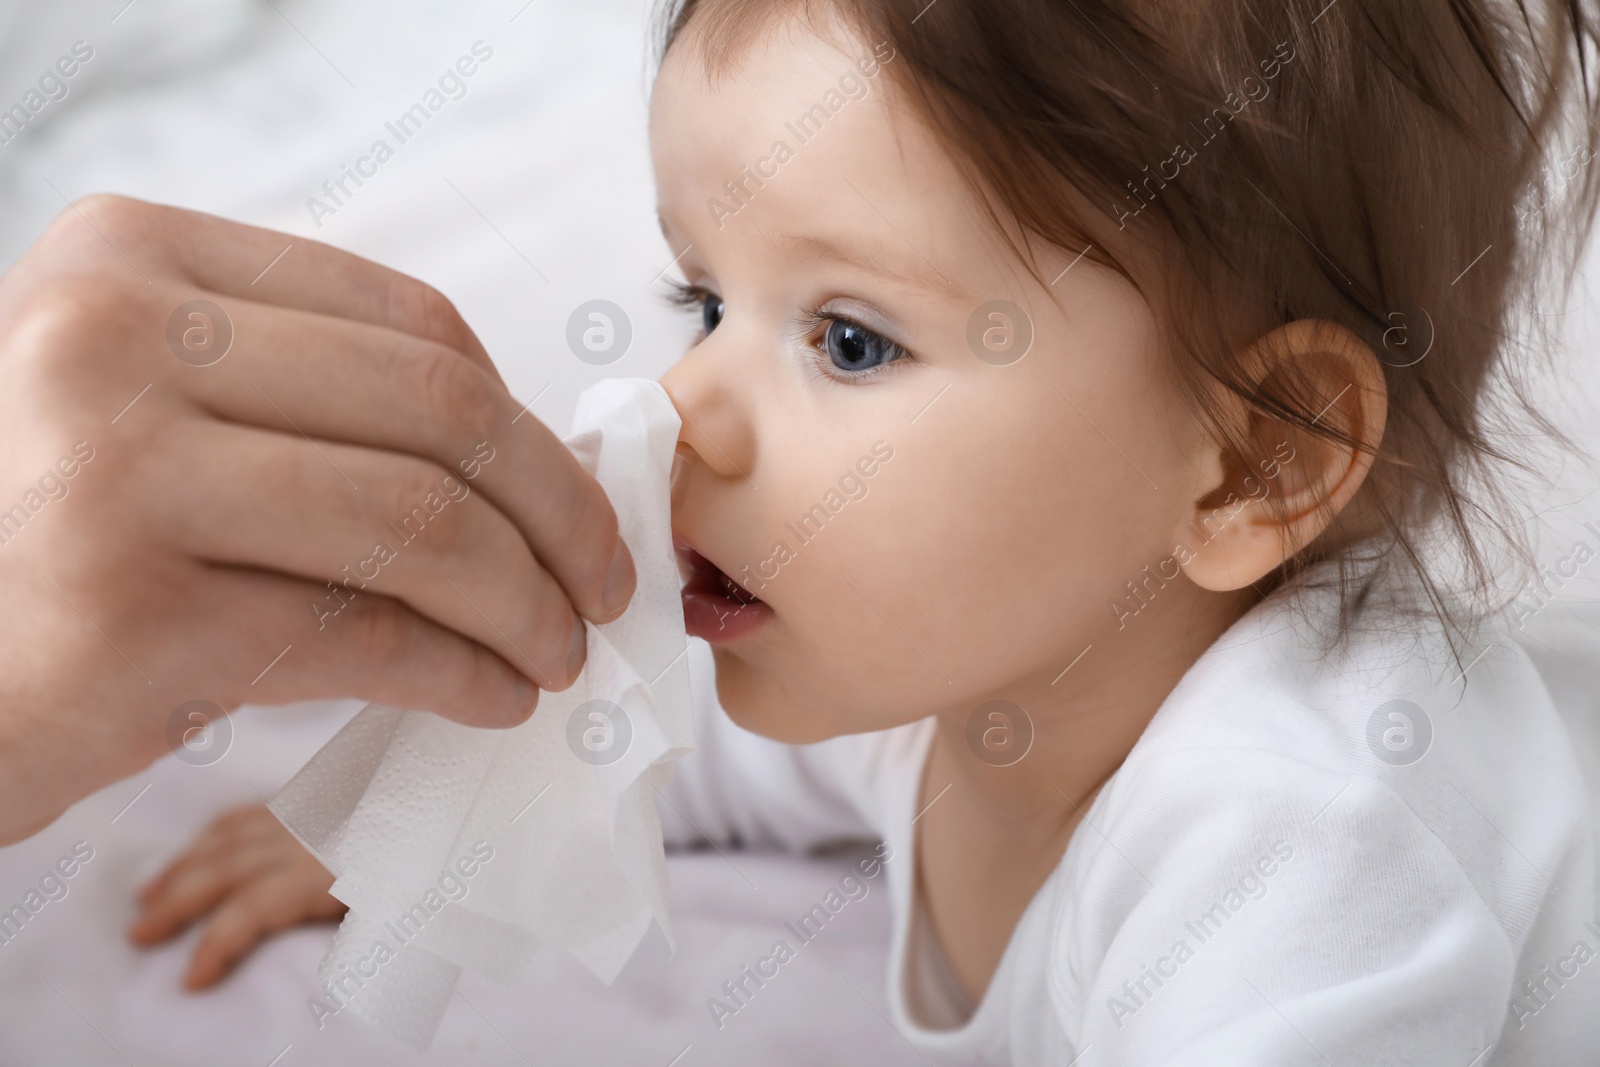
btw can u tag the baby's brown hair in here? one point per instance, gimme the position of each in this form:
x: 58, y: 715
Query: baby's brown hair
x: 1403, y: 169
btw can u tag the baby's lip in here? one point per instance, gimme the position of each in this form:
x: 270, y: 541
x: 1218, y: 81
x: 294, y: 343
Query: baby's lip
x: 703, y: 576
x: 715, y: 607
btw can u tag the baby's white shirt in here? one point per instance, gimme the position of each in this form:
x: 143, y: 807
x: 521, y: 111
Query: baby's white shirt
x: 1265, y: 880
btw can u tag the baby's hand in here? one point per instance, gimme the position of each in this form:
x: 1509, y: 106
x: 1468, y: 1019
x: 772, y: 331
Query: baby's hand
x: 251, y: 876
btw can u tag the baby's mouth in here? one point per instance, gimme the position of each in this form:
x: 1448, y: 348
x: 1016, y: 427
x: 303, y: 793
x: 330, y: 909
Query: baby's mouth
x: 707, y: 579
x: 715, y: 606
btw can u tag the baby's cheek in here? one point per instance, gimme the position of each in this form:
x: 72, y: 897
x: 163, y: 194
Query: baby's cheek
x: 983, y: 556
x: 886, y: 593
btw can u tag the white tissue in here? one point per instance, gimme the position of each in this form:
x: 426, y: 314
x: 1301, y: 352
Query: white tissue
x: 402, y: 805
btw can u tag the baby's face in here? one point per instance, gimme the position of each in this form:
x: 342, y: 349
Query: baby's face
x: 927, y: 520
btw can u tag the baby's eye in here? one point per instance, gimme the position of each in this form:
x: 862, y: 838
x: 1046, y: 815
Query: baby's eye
x: 688, y: 297
x: 854, y: 348
x: 711, y: 311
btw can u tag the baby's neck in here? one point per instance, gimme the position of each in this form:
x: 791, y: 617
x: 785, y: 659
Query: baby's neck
x: 990, y: 834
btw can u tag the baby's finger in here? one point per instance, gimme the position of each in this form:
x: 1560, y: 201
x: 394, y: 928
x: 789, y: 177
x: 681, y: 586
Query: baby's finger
x: 195, y: 884
x: 227, y: 833
x: 242, y: 853
x: 250, y: 821
x: 246, y: 918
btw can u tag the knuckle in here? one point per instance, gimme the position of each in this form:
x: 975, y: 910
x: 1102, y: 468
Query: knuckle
x: 405, y: 487
x: 455, y: 537
x: 102, y: 232
x: 380, y: 629
x: 453, y: 391
x: 448, y: 534
x: 101, y: 205
x: 419, y: 309
x: 65, y: 325
x: 112, y: 215
x: 413, y: 502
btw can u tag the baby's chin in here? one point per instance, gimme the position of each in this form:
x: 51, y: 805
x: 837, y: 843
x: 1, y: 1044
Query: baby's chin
x: 756, y: 702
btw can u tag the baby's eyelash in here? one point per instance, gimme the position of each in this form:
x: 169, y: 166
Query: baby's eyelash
x: 683, y: 295
x: 813, y: 323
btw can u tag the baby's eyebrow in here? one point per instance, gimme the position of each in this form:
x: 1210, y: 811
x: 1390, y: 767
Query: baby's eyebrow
x: 916, y: 268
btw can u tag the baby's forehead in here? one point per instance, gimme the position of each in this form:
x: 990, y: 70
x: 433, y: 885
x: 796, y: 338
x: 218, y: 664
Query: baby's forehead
x: 729, y: 40
x: 784, y: 62
x: 814, y: 120
x: 813, y: 163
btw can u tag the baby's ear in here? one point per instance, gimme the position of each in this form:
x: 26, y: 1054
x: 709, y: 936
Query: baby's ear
x: 1277, y: 482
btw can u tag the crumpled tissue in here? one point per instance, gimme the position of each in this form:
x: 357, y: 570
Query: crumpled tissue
x: 460, y: 847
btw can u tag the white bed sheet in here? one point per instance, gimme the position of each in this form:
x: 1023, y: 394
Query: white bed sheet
x: 73, y: 991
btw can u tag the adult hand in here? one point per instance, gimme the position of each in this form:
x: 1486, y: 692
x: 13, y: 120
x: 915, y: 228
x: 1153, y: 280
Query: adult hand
x: 170, y: 520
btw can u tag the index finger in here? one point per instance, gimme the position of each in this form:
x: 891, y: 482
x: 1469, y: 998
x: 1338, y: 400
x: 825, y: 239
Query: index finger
x: 267, y: 267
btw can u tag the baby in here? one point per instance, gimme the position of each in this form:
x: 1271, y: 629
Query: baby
x: 1073, y: 492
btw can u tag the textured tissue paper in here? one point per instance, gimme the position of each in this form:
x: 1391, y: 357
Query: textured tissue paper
x: 459, y: 847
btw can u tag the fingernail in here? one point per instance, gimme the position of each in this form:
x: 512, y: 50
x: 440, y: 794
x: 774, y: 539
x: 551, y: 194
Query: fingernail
x: 579, y: 645
x: 619, y: 582
x: 527, y: 695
